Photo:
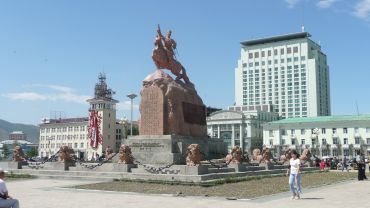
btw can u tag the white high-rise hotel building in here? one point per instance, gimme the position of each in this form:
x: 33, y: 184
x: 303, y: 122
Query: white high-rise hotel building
x: 289, y: 72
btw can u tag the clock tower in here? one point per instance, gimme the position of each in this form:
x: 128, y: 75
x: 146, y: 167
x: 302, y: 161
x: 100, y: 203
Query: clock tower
x: 102, y: 119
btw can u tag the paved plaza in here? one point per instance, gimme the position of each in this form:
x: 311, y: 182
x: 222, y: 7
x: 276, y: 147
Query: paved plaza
x: 54, y: 194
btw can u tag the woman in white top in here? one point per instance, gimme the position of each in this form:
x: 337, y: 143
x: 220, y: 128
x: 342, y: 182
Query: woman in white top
x: 295, y: 175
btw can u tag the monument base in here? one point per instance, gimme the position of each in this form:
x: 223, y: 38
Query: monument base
x: 108, y: 167
x: 58, y: 165
x: 238, y: 167
x: 172, y: 149
x: 268, y: 166
x: 193, y: 170
x: 15, y: 165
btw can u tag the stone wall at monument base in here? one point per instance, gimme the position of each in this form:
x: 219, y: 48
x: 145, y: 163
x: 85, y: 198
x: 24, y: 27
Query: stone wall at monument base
x: 168, y: 149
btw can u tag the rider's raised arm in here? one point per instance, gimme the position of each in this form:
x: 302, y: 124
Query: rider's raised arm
x: 159, y: 31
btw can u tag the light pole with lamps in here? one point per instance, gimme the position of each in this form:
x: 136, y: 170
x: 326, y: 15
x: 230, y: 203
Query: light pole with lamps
x: 132, y: 96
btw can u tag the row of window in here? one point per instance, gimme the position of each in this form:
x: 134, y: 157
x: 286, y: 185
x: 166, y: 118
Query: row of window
x: 64, y: 137
x: 64, y: 129
x: 323, y: 141
x: 318, y: 131
x: 334, y: 130
x: 58, y: 145
x: 282, y: 51
x: 269, y: 62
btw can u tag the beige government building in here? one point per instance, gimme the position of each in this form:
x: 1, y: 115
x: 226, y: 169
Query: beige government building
x: 335, y: 136
x: 88, y: 136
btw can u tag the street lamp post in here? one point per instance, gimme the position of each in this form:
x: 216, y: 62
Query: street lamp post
x: 132, y: 96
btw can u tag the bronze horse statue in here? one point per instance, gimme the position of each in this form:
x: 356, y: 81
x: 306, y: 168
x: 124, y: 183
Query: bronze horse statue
x: 164, y: 57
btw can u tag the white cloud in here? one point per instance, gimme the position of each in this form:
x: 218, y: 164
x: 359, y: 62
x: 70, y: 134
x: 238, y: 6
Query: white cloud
x: 126, y: 105
x: 325, y: 3
x: 59, y: 88
x: 292, y: 3
x: 362, y: 9
x: 61, y: 93
x: 29, y: 96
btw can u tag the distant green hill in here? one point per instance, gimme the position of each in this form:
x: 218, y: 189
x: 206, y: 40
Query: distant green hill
x: 7, y: 127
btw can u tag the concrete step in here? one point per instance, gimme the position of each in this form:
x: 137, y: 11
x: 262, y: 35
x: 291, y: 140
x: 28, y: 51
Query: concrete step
x: 220, y: 170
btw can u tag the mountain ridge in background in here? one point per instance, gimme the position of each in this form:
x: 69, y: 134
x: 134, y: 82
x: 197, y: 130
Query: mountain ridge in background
x: 7, y: 127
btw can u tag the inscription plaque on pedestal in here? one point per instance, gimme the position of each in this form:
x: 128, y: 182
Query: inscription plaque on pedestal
x: 152, y: 116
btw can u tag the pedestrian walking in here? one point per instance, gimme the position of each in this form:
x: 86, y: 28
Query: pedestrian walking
x: 344, y: 164
x: 294, y: 173
x: 361, y: 167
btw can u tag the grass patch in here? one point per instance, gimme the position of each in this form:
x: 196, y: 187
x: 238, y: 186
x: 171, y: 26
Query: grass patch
x: 12, y: 176
x: 246, y: 187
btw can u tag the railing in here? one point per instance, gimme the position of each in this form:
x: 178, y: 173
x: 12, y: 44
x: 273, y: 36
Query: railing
x: 345, y: 146
x: 357, y: 146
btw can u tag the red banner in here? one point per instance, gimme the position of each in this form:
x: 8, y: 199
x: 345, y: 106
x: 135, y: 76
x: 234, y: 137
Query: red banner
x: 94, y: 132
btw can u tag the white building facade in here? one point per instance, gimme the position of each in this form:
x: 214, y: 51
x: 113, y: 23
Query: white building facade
x: 285, y: 71
x: 335, y: 136
x: 239, y: 126
x: 90, y: 136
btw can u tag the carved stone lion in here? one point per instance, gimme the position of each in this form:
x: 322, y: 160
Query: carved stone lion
x: 108, y: 153
x: 125, y: 155
x: 193, y: 155
x: 66, y: 154
x: 306, y: 156
x: 285, y: 157
x: 266, y: 155
x: 235, y: 156
x: 255, y: 154
x: 18, y: 155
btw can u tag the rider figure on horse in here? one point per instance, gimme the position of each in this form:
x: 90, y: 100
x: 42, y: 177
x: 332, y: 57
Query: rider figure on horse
x: 170, y: 61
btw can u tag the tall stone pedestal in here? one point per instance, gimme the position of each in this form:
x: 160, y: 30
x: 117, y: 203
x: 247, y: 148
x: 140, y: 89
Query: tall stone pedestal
x: 168, y: 149
x: 171, y: 107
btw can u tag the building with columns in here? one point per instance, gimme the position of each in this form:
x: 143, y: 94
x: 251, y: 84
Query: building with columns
x: 335, y: 136
x: 239, y: 125
x: 88, y: 136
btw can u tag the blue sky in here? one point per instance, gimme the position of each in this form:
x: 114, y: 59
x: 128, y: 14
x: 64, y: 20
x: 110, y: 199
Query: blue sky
x: 51, y: 52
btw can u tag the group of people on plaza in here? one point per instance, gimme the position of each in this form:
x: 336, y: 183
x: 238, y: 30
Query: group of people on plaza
x: 294, y: 170
x: 358, y: 163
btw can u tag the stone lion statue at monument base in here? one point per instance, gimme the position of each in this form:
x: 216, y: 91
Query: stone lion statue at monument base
x: 125, y: 155
x: 193, y: 155
x: 256, y: 154
x: 108, y: 153
x: 235, y: 156
x: 18, y: 155
x: 66, y: 154
x: 306, y: 156
x: 285, y: 157
x: 266, y: 155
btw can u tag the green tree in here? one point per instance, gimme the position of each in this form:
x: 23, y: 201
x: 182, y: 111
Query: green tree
x: 6, y: 151
x: 32, y: 153
x: 135, y: 131
x: 256, y: 143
